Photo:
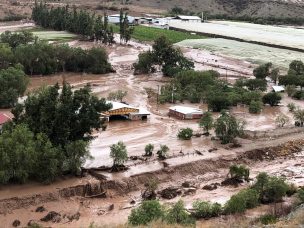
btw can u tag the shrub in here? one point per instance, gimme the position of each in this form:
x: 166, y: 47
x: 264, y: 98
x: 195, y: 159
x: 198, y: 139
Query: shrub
x: 148, y: 211
x: 255, y: 107
x: 177, y: 214
x: 149, y: 149
x: 203, y: 209
x: 301, y: 195
x: 292, y: 189
x: 206, y: 121
x: 239, y: 172
x: 298, y: 95
x: 185, y: 133
x: 281, y: 120
x: 162, y: 152
x: 236, y: 204
x: 268, y: 219
x: 291, y: 107
x: 290, y: 90
x: 272, y: 99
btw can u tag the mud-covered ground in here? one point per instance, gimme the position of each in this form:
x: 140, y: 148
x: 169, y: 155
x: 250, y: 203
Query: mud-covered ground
x: 210, y: 167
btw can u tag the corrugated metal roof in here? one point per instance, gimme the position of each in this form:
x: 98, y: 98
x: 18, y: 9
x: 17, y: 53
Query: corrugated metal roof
x: 278, y: 88
x: 188, y: 17
x: 186, y: 110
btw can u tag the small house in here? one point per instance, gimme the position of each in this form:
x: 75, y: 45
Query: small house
x: 185, y: 113
x: 4, y: 119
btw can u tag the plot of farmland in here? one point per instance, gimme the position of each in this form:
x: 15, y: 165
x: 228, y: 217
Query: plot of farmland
x: 245, y: 51
x: 54, y: 35
x: 272, y: 35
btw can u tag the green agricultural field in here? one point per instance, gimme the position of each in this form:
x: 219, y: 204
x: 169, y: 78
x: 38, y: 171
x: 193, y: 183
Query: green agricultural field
x: 53, y: 36
x: 144, y: 33
x: 246, y: 51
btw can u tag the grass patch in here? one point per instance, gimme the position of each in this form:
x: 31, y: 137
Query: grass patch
x: 51, y: 35
x: 144, y: 33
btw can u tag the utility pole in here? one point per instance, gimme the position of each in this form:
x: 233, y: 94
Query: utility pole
x: 157, y: 98
x: 173, y: 89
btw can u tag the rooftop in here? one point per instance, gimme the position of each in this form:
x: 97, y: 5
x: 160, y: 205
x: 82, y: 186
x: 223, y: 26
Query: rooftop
x: 278, y: 88
x: 186, y: 110
x: 4, y: 118
x: 188, y: 17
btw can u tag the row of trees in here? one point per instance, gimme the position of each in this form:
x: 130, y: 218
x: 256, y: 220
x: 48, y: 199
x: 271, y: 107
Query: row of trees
x: 163, y: 55
x: 50, y: 134
x: 42, y: 58
x: 80, y: 22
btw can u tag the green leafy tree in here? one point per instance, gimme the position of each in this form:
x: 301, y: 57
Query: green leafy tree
x: 274, y: 75
x: 272, y: 99
x: 239, y: 172
x: 256, y: 84
x: 206, y: 121
x: 147, y: 212
x: 227, y: 128
x: 17, y: 154
x: 255, y: 107
x: 298, y: 115
x: 13, y: 83
x: 145, y: 63
x: 14, y: 39
x: 185, y: 133
x: 262, y: 71
x: 177, y: 214
x: 6, y: 56
x: 203, y: 209
x: 119, y: 154
x: 163, y: 151
x: 149, y: 149
x: 296, y: 67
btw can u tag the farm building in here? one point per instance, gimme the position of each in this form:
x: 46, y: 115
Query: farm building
x: 188, y: 18
x: 114, y: 19
x: 126, y: 111
x: 185, y: 113
x: 4, y: 119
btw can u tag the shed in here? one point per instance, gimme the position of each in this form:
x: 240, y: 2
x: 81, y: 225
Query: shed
x: 185, y: 113
x: 278, y: 89
x: 114, y: 19
x: 188, y: 18
x: 127, y: 111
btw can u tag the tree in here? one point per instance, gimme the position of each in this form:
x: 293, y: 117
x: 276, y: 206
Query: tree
x: 291, y: 107
x: 147, y: 212
x: 218, y: 101
x: 262, y: 71
x: 255, y: 107
x: 145, y: 63
x: 162, y: 152
x: 119, y: 154
x: 227, y: 127
x: 6, y: 56
x: 256, y: 84
x: 281, y: 120
x: 206, y: 122
x: 298, y: 115
x: 296, y: 67
x: 272, y: 99
x: 149, y: 150
x: 185, y: 133
x: 117, y: 95
x: 239, y: 172
x: 290, y: 90
x: 13, y: 83
x: 203, y: 209
x: 14, y: 39
x: 274, y: 75
x: 177, y: 214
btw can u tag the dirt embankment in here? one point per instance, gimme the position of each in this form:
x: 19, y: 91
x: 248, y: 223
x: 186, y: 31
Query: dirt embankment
x: 98, y: 188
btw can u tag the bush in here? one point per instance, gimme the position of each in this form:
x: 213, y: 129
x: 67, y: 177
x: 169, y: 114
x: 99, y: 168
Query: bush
x: 290, y: 90
x: 255, y: 107
x: 239, y: 172
x: 203, y: 209
x: 291, y: 107
x: 292, y: 189
x: 272, y: 99
x: 147, y: 212
x: 149, y: 149
x: 177, y: 214
x: 301, y: 195
x: 268, y: 219
x: 185, y: 133
x: 299, y: 95
x: 245, y: 199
